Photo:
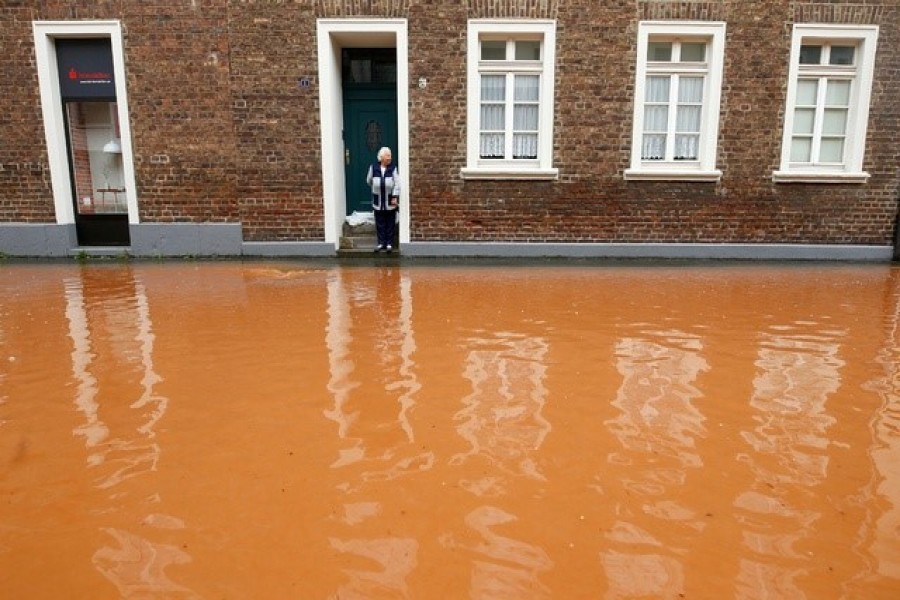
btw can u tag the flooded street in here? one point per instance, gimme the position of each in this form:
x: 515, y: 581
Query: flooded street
x: 299, y: 430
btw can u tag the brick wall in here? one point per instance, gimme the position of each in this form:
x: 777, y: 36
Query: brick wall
x: 222, y: 131
x: 24, y: 173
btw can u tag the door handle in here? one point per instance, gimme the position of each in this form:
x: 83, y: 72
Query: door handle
x: 347, y: 156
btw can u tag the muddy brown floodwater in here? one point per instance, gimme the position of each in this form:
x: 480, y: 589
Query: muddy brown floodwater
x: 301, y: 430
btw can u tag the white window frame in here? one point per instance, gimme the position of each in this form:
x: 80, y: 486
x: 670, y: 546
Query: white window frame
x: 704, y: 168
x: 542, y: 167
x: 864, y: 38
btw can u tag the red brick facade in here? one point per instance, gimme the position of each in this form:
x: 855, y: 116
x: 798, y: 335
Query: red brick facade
x: 222, y: 133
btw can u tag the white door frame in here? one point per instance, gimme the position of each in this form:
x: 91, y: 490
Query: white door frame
x: 332, y: 36
x: 45, y: 32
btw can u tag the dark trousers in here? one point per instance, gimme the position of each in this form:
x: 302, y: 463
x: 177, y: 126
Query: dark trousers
x: 385, y: 221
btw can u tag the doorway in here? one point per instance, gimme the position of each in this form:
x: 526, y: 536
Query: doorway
x: 93, y: 141
x: 357, y: 116
x: 369, y: 85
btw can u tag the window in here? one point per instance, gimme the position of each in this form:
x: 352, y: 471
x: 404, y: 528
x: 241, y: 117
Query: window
x: 676, y: 104
x: 829, y: 86
x: 510, y: 100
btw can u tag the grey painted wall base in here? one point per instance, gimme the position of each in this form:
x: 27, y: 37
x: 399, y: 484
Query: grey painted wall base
x: 274, y: 249
x: 38, y: 239
x: 186, y: 239
x: 695, y: 251
x: 225, y: 240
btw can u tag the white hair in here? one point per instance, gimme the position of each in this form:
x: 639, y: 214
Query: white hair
x: 381, y: 152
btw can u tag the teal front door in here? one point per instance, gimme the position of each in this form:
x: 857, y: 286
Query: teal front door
x: 369, y: 82
x: 370, y: 122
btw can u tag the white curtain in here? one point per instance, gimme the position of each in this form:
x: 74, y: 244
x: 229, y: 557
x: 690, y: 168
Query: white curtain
x: 493, y: 115
x: 657, y: 89
x: 686, y: 147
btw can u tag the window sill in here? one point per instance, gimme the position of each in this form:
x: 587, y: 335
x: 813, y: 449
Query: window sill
x: 528, y: 174
x: 819, y: 177
x: 647, y: 175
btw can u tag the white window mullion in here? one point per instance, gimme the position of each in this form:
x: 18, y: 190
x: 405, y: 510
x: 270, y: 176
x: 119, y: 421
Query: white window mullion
x: 510, y: 109
x: 672, y: 118
x: 818, y: 120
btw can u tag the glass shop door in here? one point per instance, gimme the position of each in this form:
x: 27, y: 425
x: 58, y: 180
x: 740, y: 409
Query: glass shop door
x: 96, y: 169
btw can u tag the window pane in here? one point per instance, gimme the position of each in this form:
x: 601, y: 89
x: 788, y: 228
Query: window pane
x: 657, y: 89
x: 528, y: 51
x: 810, y: 55
x: 800, y: 149
x: 841, y: 55
x: 526, y: 88
x: 687, y: 119
x: 693, y: 52
x: 686, y: 147
x: 807, y: 91
x: 835, y: 121
x: 656, y: 118
x: 659, y: 51
x: 690, y: 89
x: 525, y: 117
x: 491, y: 145
x: 493, y: 117
x: 493, y: 50
x: 837, y: 93
x: 803, y: 120
x: 96, y: 157
x: 654, y: 147
x: 525, y: 145
x: 493, y: 88
x: 832, y: 150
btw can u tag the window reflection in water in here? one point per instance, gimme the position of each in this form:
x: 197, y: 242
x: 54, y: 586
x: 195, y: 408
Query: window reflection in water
x: 364, y: 458
x: 112, y: 336
x: 657, y: 427
x: 798, y: 371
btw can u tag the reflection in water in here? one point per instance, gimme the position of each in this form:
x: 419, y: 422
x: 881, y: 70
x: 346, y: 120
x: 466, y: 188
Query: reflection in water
x: 396, y: 559
x: 657, y: 428
x: 503, y: 423
x: 502, y: 567
x: 389, y: 304
x: 697, y: 448
x: 798, y: 371
x: 884, y: 545
x: 388, y: 360
x: 502, y: 420
x: 136, y: 565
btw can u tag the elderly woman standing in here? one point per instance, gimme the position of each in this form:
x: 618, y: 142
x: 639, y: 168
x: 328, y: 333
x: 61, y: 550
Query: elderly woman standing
x: 384, y: 180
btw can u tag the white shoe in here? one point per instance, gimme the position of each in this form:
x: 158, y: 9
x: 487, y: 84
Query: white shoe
x: 389, y: 248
